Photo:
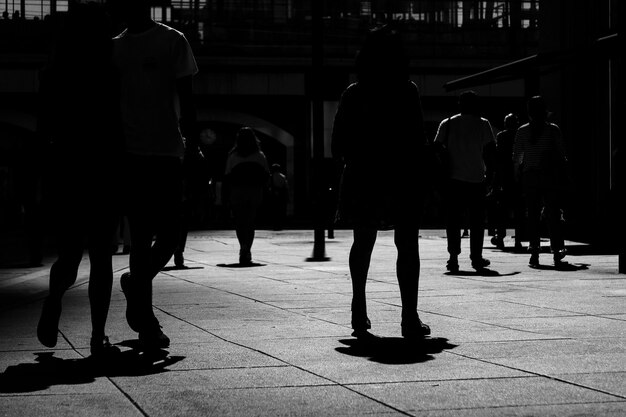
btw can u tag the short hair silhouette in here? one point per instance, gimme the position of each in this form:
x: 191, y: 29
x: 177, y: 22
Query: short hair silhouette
x: 382, y: 56
x: 511, y: 121
x: 246, y: 142
x: 468, y: 102
x: 537, y: 110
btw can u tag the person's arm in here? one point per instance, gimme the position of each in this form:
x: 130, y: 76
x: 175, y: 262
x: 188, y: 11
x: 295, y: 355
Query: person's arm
x: 489, y: 153
x: 188, y: 128
x: 518, y: 155
x: 341, y: 128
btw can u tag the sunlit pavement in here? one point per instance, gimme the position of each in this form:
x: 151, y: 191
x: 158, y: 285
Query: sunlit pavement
x: 274, y: 338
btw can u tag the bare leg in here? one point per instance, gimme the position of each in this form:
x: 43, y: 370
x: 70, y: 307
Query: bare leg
x: 360, y: 256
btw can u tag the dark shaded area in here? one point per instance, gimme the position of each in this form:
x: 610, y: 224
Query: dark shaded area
x: 395, y: 350
x: 180, y: 268
x: 240, y: 265
x: 563, y: 266
x: 481, y: 273
x: 50, y: 370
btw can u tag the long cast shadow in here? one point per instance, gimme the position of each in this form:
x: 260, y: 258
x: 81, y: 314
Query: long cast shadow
x: 48, y: 370
x: 394, y: 350
x: 240, y: 265
x: 564, y: 266
x: 481, y: 273
x: 180, y: 268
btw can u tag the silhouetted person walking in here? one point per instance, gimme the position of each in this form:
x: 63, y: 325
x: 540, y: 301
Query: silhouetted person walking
x: 505, y: 187
x: 278, y: 196
x: 80, y: 119
x: 539, y: 157
x: 247, y: 174
x: 156, y: 65
x: 378, y: 133
x: 466, y: 136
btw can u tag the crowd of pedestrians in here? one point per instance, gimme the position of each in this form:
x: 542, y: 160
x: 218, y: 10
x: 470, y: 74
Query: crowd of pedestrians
x: 137, y: 89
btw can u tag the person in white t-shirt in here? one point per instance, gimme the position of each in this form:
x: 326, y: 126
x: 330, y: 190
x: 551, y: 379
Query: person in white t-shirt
x: 156, y: 65
x: 466, y: 136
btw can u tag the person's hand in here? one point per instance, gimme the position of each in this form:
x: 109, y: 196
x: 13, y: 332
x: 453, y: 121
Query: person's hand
x: 193, y: 155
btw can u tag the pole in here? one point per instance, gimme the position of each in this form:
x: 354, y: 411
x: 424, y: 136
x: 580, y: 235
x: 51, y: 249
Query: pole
x: 319, y: 244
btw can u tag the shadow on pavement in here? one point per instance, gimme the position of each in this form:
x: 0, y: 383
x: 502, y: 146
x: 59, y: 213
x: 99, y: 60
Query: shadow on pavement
x: 564, y: 266
x: 49, y: 370
x: 395, y: 350
x: 238, y: 265
x: 180, y: 268
x: 481, y: 273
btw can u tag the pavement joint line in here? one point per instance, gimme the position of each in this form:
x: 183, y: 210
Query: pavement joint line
x: 496, y: 407
x: 573, y: 313
x: 554, y: 378
x: 409, y: 381
x: 251, y: 299
x: 469, y: 320
x: 335, y: 383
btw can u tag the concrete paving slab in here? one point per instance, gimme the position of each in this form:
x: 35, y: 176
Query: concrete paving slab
x: 494, y: 392
x: 275, y: 339
x: 609, y: 409
x: 613, y: 382
x: 291, y: 401
x: 87, y: 405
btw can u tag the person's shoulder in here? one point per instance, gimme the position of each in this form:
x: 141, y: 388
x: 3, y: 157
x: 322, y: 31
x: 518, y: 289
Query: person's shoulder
x: 168, y: 32
x: 352, y: 89
x: 168, y: 29
x: 554, y: 127
x: 120, y: 36
x: 523, y: 129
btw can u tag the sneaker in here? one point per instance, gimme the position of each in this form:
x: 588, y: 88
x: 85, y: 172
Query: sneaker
x: 559, y: 255
x: 498, y: 242
x: 480, y: 263
x: 154, y: 338
x: 453, y: 265
x: 179, y: 260
x: 132, y: 314
x: 48, y: 326
x: 101, y: 347
x: 416, y: 329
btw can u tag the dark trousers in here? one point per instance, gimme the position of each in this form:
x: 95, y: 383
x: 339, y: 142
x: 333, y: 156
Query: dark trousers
x: 507, y: 201
x: 154, y: 202
x: 541, y: 194
x: 464, y: 196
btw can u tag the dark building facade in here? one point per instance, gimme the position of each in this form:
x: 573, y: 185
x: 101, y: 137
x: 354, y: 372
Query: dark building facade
x: 257, y: 69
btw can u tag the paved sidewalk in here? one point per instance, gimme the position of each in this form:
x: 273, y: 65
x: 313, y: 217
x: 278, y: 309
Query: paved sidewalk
x: 274, y: 339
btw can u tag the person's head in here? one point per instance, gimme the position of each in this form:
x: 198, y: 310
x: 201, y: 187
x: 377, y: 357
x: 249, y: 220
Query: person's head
x: 537, y: 110
x: 468, y: 102
x: 130, y: 12
x: 382, y: 57
x: 246, y: 142
x: 510, y: 122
